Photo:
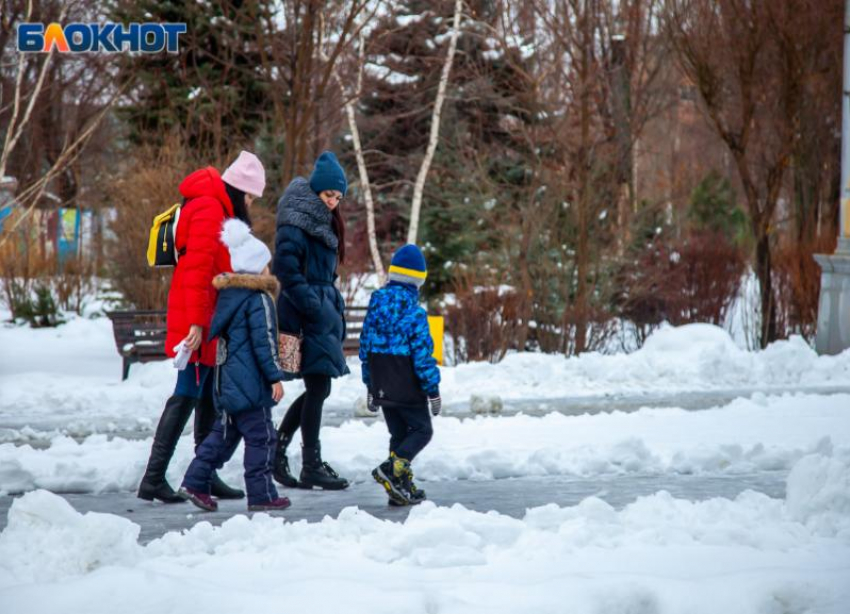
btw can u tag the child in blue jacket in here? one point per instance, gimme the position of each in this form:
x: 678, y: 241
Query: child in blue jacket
x: 247, y: 381
x: 400, y: 372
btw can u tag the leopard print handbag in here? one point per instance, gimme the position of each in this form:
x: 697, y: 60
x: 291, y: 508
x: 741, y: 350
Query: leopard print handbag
x: 290, y: 352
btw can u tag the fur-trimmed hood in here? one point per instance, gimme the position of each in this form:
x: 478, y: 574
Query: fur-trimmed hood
x: 237, y: 289
x: 301, y: 207
x: 264, y: 283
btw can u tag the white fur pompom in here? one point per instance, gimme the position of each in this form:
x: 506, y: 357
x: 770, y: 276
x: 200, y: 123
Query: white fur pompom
x: 235, y: 233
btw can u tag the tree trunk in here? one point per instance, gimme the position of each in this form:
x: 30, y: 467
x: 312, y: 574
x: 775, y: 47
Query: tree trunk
x: 582, y: 257
x: 767, y: 332
x: 525, y: 284
x: 366, y: 188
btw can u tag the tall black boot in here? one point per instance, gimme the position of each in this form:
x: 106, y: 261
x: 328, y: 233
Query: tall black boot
x: 205, y: 417
x: 316, y: 473
x: 171, y: 424
x: 281, y: 472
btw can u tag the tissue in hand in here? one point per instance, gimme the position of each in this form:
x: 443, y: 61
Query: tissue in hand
x: 182, y: 355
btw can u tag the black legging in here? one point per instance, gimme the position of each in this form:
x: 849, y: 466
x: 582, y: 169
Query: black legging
x: 306, y: 410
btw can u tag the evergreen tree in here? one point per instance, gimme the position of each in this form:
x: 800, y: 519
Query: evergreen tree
x: 713, y: 207
x: 208, y: 93
x: 466, y: 195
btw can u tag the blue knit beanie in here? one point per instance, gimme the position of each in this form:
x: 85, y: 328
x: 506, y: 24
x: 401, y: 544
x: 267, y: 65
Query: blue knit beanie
x: 408, y: 266
x: 328, y: 174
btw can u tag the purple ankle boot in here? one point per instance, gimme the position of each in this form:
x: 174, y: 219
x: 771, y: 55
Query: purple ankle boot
x: 200, y: 499
x: 281, y: 503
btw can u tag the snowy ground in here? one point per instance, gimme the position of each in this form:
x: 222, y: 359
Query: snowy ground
x: 659, y: 554
x: 68, y: 379
x: 758, y: 520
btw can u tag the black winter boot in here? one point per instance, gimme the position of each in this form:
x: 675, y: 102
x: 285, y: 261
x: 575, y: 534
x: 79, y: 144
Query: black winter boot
x: 281, y: 472
x: 171, y: 424
x: 316, y: 473
x: 220, y: 490
x: 205, y: 417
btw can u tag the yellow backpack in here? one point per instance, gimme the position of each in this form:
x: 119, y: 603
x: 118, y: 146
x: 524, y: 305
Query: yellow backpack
x: 161, y: 249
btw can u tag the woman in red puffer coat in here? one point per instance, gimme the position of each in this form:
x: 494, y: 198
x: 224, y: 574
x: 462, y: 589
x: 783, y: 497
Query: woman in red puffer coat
x: 208, y: 200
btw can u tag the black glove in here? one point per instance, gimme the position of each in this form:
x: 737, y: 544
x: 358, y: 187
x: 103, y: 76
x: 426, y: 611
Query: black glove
x: 435, y: 404
x: 370, y: 404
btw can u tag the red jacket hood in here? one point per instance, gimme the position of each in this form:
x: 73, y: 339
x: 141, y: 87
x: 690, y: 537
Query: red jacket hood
x: 206, y: 182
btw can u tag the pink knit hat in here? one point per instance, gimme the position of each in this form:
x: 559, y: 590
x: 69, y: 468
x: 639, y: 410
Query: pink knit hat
x: 247, y: 174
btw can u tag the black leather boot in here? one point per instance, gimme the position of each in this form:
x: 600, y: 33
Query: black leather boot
x: 281, y: 472
x: 317, y: 473
x: 171, y: 424
x: 205, y: 417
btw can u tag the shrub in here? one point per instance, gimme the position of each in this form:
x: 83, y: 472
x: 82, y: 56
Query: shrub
x: 40, y: 311
x: 482, y: 320
x: 796, y: 285
x: 691, y: 280
x: 149, y: 187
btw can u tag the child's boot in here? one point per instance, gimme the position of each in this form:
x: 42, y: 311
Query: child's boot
x: 417, y: 495
x: 384, y: 475
x: 275, y: 505
x: 404, y: 475
x: 199, y: 499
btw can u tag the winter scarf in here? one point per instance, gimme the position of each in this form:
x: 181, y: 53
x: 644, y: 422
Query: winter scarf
x: 301, y: 207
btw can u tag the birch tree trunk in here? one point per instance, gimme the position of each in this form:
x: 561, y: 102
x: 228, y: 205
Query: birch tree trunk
x: 419, y: 187
x: 366, y: 188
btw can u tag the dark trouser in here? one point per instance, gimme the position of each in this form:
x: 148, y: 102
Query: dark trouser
x: 306, y: 411
x: 196, y: 382
x: 255, y: 426
x: 410, y: 430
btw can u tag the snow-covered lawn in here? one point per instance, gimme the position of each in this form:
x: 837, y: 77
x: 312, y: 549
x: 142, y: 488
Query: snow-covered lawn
x: 659, y: 555
x: 68, y: 379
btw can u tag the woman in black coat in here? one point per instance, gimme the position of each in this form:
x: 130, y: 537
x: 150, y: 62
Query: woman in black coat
x: 309, y: 243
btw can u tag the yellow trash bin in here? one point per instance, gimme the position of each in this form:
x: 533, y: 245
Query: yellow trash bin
x: 437, y: 324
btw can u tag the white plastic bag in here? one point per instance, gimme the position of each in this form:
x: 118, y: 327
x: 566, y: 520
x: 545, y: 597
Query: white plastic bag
x: 182, y: 355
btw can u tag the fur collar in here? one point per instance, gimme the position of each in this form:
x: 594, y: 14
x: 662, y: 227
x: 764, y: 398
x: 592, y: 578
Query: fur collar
x: 301, y: 207
x: 263, y: 283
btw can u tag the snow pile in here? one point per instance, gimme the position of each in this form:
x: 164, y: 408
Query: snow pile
x: 659, y: 555
x: 687, y: 358
x: 818, y: 493
x: 49, y: 540
x: 748, y: 435
x: 93, y: 465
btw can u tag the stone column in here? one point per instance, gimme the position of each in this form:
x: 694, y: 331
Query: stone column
x: 834, y: 307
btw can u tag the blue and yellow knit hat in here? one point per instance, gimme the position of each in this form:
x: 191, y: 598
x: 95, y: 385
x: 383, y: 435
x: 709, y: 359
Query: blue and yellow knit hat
x: 408, y: 266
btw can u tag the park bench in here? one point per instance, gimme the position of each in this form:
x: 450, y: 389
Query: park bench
x: 139, y: 336
x: 354, y: 317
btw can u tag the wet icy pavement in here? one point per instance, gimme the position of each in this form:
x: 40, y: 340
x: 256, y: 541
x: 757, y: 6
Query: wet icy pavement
x: 507, y: 496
